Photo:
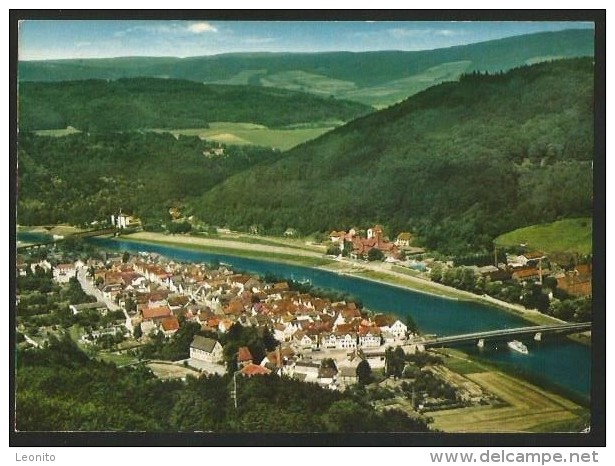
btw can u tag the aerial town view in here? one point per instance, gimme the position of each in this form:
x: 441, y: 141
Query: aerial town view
x: 248, y: 227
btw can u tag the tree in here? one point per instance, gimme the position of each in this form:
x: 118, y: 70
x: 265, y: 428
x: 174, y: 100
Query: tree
x: 364, y: 373
x: 125, y: 257
x: 395, y: 360
x: 333, y: 250
x: 411, y: 324
x: 137, y: 332
x: 375, y: 254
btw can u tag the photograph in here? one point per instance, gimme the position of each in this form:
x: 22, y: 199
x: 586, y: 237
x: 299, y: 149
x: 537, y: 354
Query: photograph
x: 287, y: 227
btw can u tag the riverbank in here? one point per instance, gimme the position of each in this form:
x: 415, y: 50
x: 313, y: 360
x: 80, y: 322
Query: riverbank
x: 283, y: 254
x: 379, y: 272
x: 524, y: 405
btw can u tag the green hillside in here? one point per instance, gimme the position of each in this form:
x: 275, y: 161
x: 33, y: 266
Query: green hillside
x: 80, y: 178
x: 459, y: 164
x: 572, y: 235
x: 142, y: 103
x: 375, y: 78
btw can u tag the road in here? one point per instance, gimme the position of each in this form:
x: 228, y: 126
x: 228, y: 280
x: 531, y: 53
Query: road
x: 90, y: 289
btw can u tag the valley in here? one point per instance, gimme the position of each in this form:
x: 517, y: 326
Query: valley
x: 336, y: 217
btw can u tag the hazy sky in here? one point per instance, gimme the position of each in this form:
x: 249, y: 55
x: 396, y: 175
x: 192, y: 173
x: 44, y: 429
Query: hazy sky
x: 53, y: 39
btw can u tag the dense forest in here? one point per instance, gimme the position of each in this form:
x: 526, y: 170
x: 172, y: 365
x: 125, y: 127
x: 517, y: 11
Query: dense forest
x: 133, y: 104
x: 459, y: 164
x: 345, y: 71
x: 59, y: 388
x: 81, y: 178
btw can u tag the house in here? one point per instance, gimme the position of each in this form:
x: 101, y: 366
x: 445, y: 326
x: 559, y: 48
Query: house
x: 97, y: 306
x: 399, y: 329
x: 327, y: 340
x: 369, y: 337
x: 375, y: 232
x: 337, y: 236
x: 250, y: 370
x: 244, y: 356
x: 304, y: 340
x: 577, y: 282
x: 347, y: 375
x: 156, y: 313
x: 122, y: 220
x: 403, y: 240
x: 63, y: 272
x: 526, y: 274
x: 169, y: 325
x: 206, y: 349
x: 345, y: 340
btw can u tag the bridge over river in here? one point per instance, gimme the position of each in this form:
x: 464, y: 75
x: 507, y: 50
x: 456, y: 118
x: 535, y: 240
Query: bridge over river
x: 507, y: 334
x: 55, y: 240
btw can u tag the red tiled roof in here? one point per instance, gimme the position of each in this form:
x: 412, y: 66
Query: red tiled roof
x: 254, y: 369
x: 524, y: 273
x: 244, y: 354
x: 156, y: 312
x: 170, y: 323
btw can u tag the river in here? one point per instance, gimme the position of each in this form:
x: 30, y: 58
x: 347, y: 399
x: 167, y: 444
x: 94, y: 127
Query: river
x: 557, y: 361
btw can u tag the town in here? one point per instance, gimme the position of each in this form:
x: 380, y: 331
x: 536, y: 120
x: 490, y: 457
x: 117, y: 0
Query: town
x: 136, y: 301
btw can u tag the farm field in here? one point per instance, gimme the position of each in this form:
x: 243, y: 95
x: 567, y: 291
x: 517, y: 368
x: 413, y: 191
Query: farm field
x: 564, y: 236
x: 398, y: 90
x: 251, y: 134
x: 528, y: 409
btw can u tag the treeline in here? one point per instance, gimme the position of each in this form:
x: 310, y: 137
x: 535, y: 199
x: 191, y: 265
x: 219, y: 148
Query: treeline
x: 141, y: 103
x: 458, y: 164
x: 529, y: 294
x: 362, y: 69
x: 60, y: 389
x: 81, y: 178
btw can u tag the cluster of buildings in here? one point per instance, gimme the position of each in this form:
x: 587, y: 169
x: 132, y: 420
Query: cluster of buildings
x: 374, y: 239
x: 157, y: 293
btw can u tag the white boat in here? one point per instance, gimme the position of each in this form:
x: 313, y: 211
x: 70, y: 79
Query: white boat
x: 518, y: 346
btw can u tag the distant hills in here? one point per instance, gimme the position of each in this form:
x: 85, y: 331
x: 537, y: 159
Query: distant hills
x: 374, y: 78
x: 143, y: 103
x: 459, y: 164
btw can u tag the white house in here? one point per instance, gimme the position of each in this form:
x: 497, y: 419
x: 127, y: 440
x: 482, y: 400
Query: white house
x: 403, y: 239
x: 206, y: 349
x: 124, y: 221
x: 63, y: 272
x: 399, y: 329
x: 369, y: 338
x: 346, y: 340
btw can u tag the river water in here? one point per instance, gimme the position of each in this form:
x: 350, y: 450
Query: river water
x: 557, y: 361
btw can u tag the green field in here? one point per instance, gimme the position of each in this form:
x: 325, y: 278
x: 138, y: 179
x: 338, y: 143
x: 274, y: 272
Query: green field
x: 400, y: 89
x: 564, y: 236
x: 378, y: 96
x: 297, y: 80
x: 250, y: 133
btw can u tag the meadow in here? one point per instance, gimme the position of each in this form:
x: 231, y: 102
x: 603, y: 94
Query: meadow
x: 572, y: 235
x: 252, y: 134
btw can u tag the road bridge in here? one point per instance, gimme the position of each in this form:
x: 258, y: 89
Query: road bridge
x: 507, y: 334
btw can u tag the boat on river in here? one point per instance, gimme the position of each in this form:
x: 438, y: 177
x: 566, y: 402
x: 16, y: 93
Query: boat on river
x: 516, y: 345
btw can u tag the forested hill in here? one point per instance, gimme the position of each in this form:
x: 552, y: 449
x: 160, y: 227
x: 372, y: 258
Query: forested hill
x: 376, y: 78
x: 459, y: 164
x: 129, y: 104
